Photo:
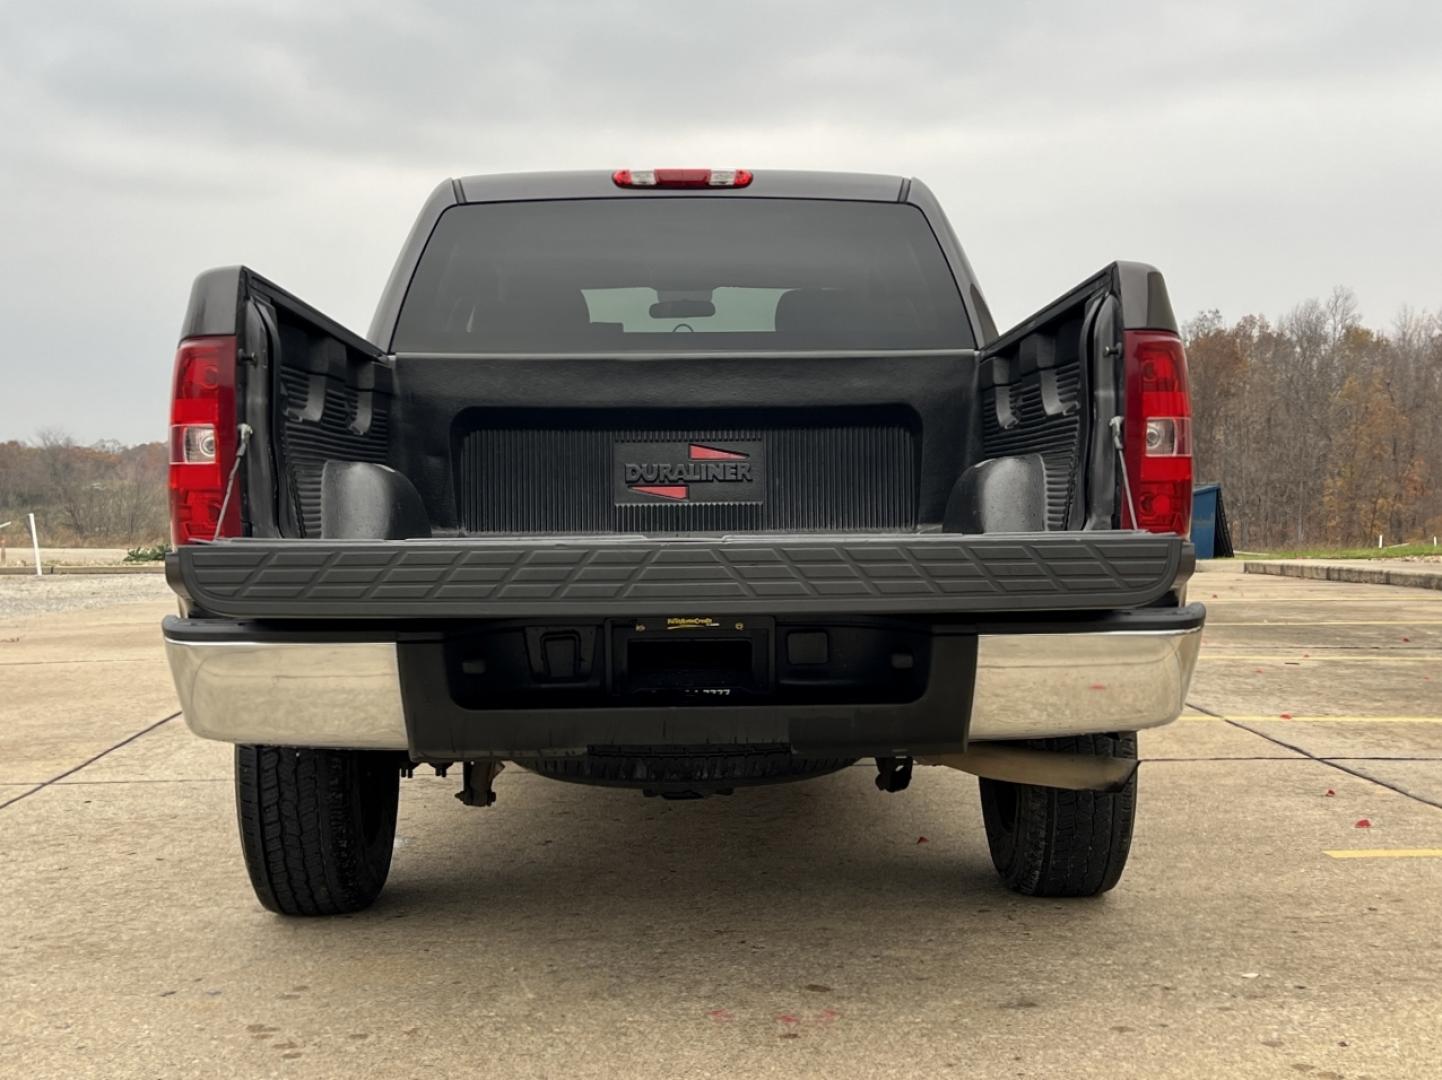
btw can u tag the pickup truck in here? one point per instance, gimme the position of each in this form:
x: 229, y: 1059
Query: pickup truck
x: 681, y: 480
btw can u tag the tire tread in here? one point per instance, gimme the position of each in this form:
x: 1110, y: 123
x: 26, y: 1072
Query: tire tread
x: 300, y: 813
x: 1063, y: 843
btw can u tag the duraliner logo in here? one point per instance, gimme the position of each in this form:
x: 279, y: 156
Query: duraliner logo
x: 703, y: 465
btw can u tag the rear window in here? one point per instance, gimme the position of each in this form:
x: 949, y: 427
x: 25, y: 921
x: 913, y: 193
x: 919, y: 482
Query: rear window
x: 688, y: 274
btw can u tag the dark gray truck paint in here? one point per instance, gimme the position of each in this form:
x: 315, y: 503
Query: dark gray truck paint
x: 472, y: 556
x: 932, y: 573
x: 300, y: 565
x: 236, y: 300
x: 770, y: 183
x: 213, y: 300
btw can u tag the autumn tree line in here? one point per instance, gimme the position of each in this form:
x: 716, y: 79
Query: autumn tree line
x: 102, y: 495
x: 1320, y: 430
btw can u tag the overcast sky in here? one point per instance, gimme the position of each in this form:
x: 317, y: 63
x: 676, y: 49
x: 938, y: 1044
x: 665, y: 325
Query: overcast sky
x: 1258, y: 154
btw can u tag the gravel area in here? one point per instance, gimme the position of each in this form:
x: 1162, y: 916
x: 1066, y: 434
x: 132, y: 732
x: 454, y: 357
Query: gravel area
x: 24, y: 597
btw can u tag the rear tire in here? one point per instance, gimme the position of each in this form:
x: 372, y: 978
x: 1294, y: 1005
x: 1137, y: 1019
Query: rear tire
x: 317, y: 826
x: 1054, y: 842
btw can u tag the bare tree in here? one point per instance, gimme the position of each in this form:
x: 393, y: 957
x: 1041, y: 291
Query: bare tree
x: 65, y: 472
x: 1320, y: 428
x: 104, y: 493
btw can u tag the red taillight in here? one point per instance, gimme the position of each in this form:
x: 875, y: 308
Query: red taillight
x: 202, y: 440
x: 681, y: 178
x: 1157, y: 433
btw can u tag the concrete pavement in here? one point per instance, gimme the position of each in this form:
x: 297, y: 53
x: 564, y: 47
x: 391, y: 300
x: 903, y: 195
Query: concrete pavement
x: 804, y: 930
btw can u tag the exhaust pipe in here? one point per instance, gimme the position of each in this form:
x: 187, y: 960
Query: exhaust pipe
x: 1043, y: 768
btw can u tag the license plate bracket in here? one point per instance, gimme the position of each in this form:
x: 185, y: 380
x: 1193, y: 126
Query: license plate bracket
x: 693, y: 658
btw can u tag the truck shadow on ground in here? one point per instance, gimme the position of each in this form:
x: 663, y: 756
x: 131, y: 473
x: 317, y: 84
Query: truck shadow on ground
x: 831, y: 863
x: 803, y: 899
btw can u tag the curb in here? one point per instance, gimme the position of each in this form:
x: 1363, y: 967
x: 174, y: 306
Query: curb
x: 1356, y: 575
x: 47, y: 571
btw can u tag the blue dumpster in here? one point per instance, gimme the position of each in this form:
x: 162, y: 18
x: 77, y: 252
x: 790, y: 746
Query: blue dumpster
x: 1210, y: 533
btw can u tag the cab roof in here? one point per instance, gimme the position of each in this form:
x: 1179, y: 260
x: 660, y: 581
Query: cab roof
x: 597, y: 184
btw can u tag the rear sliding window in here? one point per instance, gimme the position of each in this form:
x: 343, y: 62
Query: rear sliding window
x: 689, y: 274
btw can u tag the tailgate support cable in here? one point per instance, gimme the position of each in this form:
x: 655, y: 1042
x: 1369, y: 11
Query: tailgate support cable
x: 1116, y: 426
x: 245, y: 431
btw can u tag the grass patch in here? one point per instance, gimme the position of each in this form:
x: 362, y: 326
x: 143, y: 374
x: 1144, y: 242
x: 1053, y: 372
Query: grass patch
x: 147, y: 554
x: 1399, y: 552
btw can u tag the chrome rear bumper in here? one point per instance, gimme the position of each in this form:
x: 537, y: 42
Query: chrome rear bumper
x: 324, y: 694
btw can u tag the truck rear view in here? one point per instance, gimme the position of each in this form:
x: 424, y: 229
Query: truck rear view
x: 686, y: 481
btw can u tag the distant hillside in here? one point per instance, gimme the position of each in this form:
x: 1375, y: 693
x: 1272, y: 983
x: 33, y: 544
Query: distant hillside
x: 105, y: 494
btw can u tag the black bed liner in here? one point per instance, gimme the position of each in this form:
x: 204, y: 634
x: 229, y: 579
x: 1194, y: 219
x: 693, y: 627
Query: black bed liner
x: 910, y: 573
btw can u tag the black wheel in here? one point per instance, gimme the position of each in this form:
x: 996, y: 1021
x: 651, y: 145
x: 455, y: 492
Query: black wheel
x: 1053, y: 842
x: 317, y: 826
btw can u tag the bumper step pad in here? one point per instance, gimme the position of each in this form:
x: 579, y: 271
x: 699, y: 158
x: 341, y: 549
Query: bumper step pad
x: 604, y: 576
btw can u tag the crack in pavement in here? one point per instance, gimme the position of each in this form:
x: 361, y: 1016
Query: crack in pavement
x: 116, y: 660
x: 190, y: 780
x: 89, y: 761
x: 1332, y: 763
x: 1264, y: 757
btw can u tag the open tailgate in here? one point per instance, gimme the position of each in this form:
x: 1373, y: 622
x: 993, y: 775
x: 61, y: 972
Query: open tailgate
x: 914, y: 573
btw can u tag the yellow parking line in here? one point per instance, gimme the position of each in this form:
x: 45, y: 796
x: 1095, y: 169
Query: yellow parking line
x: 1296, y: 658
x: 1320, y: 601
x: 1387, y: 853
x: 1296, y: 718
x: 1330, y: 622
x: 1419, y: 598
